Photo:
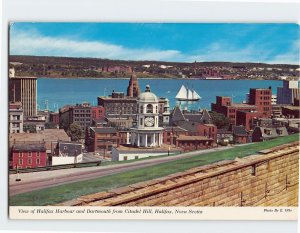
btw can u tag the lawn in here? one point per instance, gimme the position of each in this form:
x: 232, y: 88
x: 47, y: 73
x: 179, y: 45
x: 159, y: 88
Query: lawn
x: 54, y: 195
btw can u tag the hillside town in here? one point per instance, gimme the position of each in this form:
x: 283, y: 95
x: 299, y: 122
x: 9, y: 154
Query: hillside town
x: 66, y: 67
x: 139, y: 124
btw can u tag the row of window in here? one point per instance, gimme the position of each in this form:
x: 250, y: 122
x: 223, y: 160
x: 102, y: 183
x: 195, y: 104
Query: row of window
x: 29, y: 161
x: 38, y: 154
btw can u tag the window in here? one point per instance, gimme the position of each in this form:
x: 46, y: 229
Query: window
x: 141, y: 109
x: 125, y: 157
x: 38, y: 154
x: 20, y: 161
x: 30, y: 154
x: 149, y: 108
x: 29, y: 161
x: 141, y: 121
x: 38, y: 161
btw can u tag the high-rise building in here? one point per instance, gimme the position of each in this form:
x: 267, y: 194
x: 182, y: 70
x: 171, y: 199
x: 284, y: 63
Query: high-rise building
x: 288, y: 93
x: 261, y: 98
x: 24, y: 90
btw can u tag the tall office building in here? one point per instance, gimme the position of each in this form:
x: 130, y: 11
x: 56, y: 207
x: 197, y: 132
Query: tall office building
x: 24, y: 90
x: 288, y: 93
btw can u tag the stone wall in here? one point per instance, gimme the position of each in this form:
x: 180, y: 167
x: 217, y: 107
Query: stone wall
x: 269, y: 178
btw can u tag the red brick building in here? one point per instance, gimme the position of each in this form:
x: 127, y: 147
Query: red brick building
x: 54, y: 117
x: 171, y: 133
x: 102, y: 139
x: 208, y: 130
x: 190, y: 143
x: 98, y: 112
x: 262, y: 99
x: 225, y: 106
x: 247, y: 119
x: 28, y: 156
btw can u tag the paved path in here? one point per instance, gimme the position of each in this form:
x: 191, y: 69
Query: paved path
x: 44, y: 179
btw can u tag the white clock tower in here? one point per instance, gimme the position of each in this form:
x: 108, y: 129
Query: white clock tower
x: 147, y: 133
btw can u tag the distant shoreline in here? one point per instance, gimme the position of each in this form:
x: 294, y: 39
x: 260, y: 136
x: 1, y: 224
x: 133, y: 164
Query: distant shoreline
x: 158, y: 78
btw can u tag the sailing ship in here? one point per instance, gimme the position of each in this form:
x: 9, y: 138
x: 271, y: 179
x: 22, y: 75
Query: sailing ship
x: 187, y: 94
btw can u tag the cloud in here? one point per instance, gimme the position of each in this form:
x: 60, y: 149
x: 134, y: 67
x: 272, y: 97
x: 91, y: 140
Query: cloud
x: 33, y: 43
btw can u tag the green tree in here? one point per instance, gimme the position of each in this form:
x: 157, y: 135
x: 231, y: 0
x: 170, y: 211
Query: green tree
x: 220, y: 120
x: 75, y: 132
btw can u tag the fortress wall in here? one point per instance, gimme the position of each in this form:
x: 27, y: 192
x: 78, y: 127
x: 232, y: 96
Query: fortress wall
x: 269, y: 178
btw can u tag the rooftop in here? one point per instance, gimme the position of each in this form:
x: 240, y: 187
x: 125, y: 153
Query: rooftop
x: 46, y: 135
x: 241, y: 105
x: 162, y: 149
x: 38, y: 147
x: 193, y: 138
x: 104, y: 130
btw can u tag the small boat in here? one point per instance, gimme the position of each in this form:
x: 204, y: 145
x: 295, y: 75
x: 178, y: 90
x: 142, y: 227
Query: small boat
x: 187, y: 94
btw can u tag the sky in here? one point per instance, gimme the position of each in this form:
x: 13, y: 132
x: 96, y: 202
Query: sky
x: 179, y: 42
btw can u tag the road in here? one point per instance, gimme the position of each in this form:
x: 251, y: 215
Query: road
x: 45, y: 179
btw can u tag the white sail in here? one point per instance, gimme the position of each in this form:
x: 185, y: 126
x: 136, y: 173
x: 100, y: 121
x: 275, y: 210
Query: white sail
x: 187, y: 94
x: 182, y: 94
x: 190, y: 94
x: 195, y: 95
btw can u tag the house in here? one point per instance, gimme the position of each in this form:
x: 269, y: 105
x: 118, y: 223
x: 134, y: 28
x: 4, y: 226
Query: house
x: 195, y: 123
x: 67, y: 153
x: 28, y: 155
x: 224, y: 134
x: 266, y: 133
x: 49, y: 136
x: 240, y: 134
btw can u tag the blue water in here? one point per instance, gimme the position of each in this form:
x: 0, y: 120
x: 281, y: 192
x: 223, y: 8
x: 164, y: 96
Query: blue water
x: 60, y: 92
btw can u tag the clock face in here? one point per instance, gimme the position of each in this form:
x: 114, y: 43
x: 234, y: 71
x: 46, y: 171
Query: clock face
x: 149, y: 121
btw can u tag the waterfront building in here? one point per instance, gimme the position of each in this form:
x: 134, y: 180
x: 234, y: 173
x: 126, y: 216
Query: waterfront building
x: 28, y: 155
x: 24, y: 90
x: 288, y: 92
x: 118, y: 104
x: 15, y: 117
x: 261, y: 98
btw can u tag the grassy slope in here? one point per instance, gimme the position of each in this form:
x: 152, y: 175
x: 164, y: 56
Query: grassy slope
x: 70, y: 191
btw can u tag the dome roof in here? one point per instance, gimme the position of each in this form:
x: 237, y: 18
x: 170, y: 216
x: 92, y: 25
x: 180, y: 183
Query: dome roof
x: 148, y: 96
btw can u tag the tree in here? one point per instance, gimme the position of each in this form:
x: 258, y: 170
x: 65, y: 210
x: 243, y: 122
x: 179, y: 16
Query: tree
x: 75, y: 132
x: 220, y: 120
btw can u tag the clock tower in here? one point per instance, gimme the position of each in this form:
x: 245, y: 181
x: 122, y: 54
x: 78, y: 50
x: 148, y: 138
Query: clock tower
x: 147, y: 133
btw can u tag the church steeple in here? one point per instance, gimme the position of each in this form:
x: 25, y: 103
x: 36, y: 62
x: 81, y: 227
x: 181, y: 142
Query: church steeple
x: 133, y: 89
